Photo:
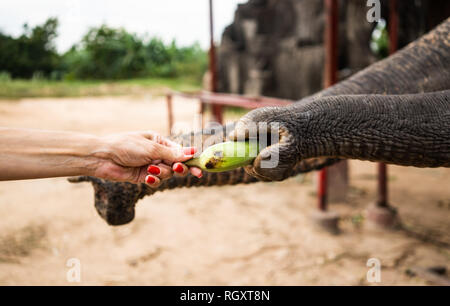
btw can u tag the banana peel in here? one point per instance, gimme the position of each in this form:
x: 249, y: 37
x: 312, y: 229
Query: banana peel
x: 226, y: 156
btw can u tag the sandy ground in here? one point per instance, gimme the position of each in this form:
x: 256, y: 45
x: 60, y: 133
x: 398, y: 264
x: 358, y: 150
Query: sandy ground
x: 258, y: 234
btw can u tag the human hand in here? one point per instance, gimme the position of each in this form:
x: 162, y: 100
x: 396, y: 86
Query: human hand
x: 127, y: 156
x: 159, y: 171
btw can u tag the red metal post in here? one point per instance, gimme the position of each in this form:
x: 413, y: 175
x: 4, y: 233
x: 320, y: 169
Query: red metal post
x: 169, y: 113
x: 201, y: 111
x: 216, y: 109
x: 330, y: 77
x: 382, y: 185
x: 331, y: 46
x: 393, y: 42
x: 322, y: 192
x: 393, y: 26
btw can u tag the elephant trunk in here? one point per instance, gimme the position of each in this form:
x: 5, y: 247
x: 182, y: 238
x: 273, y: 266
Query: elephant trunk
x: 409, y: 130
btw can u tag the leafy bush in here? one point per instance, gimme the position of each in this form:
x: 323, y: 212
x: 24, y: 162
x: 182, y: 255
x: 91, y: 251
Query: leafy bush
x: 5, y: 76
x: 379, y: 43
x: 103, y: 53
x: 32, y: 51
x: 107, y: 53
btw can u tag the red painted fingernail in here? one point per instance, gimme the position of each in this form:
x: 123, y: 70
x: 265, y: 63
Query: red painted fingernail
x: 179, y: 168
x: 150, y: 180
x: 153, y: 170
x: 189, y: 150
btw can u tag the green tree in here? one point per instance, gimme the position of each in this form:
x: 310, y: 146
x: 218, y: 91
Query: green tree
x: 103, y: 53
x: 107, y: 53
x: 33, y: 52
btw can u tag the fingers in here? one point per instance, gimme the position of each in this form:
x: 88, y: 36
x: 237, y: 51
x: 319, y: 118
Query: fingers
x: 172, y: 154
x: 138, y: 175
x: 152, y: 181
x: 181, y: 169
x: 166, y: 142
x: 170, y: 143
x: 196, y: 172
x: 164, y: 149
x: 160, y: 170
x: 151, y: 135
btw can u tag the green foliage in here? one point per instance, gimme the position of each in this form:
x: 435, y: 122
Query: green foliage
x: 103, y: 53
x: 19, y: 88
x: 5, y: 76
x: 33, y: 52
x: 107, y: 53
x: 379, y: 43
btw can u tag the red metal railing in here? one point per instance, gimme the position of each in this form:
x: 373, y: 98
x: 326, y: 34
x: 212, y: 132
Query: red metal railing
x: 393, y: 41
x: 330, y: 78
x: 216, y: 108
x: 222, y: 100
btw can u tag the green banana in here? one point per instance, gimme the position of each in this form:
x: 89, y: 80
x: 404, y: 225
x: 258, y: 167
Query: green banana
x: 226, y: 156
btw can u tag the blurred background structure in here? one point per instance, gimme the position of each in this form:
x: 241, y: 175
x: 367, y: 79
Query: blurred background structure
x: 275, y: 48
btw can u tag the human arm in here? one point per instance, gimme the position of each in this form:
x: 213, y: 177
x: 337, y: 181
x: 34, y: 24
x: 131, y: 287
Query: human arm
x: 27, y: 154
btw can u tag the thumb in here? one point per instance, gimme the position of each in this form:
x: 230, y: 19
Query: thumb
x: 172, y: 154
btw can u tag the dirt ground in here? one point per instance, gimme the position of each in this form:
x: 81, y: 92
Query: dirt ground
x: 258, y: 234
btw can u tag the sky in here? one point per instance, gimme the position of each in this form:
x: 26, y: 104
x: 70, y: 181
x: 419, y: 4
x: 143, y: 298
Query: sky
x: 186, y: 21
